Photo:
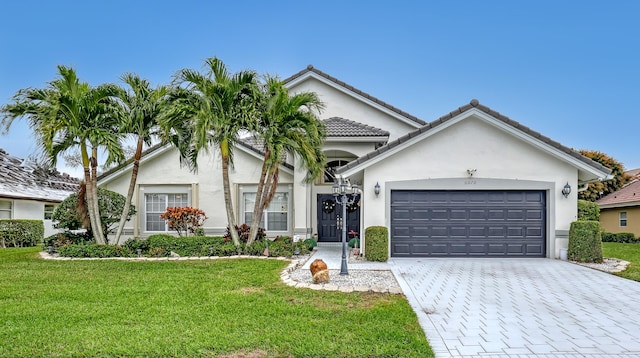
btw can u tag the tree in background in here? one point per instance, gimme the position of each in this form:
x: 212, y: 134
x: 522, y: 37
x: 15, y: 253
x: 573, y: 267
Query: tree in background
x: 68, y: 114
x: 597, y: 190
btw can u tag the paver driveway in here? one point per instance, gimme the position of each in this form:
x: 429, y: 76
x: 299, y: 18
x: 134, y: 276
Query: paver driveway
x: 521, y: 308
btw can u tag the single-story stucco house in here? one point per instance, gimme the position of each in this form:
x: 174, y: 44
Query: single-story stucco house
x: 30, y: 192
x: 620, y: 210
x: 471, y: 183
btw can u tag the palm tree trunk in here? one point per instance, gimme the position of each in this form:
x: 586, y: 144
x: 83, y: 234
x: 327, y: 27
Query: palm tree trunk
x: 231, y: 218
x: 132, y: 185
x: 94, y: 194
x: 257, y: 213
x: 88, y: 185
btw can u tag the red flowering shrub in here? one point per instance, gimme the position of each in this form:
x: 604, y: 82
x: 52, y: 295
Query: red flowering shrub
x: 184, y: 220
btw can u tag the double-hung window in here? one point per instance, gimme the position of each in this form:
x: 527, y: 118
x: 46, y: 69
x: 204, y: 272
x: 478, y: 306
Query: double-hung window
x: 623, y: 218
x: 5, y: 209
x: 156, y: 204
x: 276, y: 214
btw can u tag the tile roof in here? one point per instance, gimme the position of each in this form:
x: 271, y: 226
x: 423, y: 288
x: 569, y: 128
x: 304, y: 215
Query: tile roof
x: 255, y: 144
x: 310, y: 68
x: 633, y: 172
x: 341, y: 127
x: 474, y: 104
x: 629, y: 193
x: 22, y: 180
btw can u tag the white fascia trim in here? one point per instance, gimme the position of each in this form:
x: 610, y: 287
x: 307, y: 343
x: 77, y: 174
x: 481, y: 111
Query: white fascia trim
x: 354, y: 95
x: 537, y: 143
x: 129, y: 166
x: 261, y: 158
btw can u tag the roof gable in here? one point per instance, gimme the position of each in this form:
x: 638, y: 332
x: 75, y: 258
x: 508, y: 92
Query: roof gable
x: 590, y: 169
x: 21, y: 180
x: 312, y: 72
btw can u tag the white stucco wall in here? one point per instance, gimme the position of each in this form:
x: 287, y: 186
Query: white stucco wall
x: 338, y: 104
x: 163, y: 173
x: 32, y: 210
x: 501, y: 161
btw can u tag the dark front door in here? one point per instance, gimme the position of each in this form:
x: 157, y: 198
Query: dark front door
x: 329, y: 211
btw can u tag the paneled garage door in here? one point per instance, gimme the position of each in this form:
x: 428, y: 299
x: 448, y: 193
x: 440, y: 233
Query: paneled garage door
x: 428, y: 223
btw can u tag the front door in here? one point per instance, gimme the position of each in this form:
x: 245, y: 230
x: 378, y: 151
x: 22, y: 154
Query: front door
x: 329, y: 213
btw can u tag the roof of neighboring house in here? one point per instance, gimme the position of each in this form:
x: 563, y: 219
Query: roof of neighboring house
x: 341, y: 127
x: 474, y: 104
x: 629, y: 193
x: 633, y: 172
x: 311, y: 69
x: 20, y: 179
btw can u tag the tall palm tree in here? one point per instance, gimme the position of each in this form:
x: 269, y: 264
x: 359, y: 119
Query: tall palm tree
x: 288, y: 125
x: 68, y: 114
x: 141, y: 107
x: 210, y: 110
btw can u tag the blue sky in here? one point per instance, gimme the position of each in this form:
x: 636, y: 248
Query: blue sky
x: 568, y: 69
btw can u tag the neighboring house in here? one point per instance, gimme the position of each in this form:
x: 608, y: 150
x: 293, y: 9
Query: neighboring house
x: 30, y: 192
x: 620, y: 210
x: 471, y: 183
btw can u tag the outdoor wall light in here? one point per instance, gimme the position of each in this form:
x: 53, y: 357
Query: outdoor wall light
x: 376, y: 189
x: 566, y: 190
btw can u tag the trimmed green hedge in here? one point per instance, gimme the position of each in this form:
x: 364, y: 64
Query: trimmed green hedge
x: 623, y: 237
x: 20, y: 232
x: 376, y: 239
x: 585, y: 242
x: 588, y: 210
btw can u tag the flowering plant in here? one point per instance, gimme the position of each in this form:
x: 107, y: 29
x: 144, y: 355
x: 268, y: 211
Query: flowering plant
x: 184, y: 220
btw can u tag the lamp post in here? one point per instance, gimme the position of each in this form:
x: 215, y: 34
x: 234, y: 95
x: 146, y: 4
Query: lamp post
x: 340, y: 194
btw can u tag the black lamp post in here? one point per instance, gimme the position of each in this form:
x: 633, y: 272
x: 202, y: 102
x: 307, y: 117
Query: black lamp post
x: 340, y: 193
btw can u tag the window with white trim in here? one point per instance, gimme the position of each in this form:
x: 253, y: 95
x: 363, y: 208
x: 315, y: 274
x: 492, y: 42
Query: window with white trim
x: 5, y: 209
x: 623, y: 218
x: 48, y: 211
x: 275, y: 216
x: 156, y: 204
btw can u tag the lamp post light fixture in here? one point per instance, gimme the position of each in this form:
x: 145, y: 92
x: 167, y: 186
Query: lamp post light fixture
x: 341, y: 195
x: 566, y: 190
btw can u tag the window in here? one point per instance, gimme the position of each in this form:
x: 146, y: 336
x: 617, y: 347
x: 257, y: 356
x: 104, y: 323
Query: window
x: 156, y: 204
x: 275, y: 216
x: 48, y: 211
x: 623, y: 218
x: 5, y: 209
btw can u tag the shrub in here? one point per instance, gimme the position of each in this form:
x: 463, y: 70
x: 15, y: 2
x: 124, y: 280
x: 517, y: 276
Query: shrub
x: 588, y: 210
x: 353, y: 242
x: 20, y: 232
x: 623, y: 237
x: 585, y: 242
x: 377, y: 243
x: 184, y: 220
x: 190, y: 245
x: 66, y: 216
x: 310, y: 243
x: 68, y: 238
x: 243, y: 232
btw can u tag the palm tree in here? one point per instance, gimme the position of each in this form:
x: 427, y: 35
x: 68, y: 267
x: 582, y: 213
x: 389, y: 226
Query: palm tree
x: 141, y: 108
x: 69, y: 114
x: 211, y: 109
x: 288, y: 124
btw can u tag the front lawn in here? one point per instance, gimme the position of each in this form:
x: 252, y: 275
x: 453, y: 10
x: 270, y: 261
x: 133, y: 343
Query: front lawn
x: 227, y: 307
x: 627, y: 252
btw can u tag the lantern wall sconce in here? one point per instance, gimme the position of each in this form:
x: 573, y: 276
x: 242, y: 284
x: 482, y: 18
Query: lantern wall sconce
x: 376, y: 189
x: 566, y: 190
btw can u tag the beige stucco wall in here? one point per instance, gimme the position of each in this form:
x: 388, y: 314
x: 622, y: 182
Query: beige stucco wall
x: 501, y: 161
x: 610, y: 220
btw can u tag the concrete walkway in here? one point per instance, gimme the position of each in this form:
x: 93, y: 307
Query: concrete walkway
x: 514, y: 307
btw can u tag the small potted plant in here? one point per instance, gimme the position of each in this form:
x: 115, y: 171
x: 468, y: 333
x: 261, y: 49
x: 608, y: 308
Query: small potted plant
x: 354, y: 243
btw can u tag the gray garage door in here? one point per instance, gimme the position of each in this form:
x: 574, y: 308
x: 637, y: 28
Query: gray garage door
x: 428, y: 223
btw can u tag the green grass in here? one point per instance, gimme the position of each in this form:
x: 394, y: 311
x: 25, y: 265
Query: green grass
x: 231, y: 307
x: 627, y: 252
